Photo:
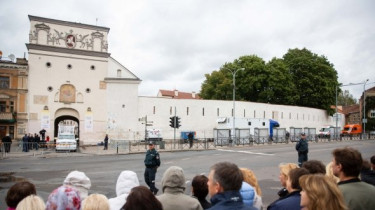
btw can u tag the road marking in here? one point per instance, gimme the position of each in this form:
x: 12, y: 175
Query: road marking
x: 186, y: 159
x: 247, y: 152
x: 170, y: 162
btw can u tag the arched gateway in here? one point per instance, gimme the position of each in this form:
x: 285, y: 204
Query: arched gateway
x: 66, y: 116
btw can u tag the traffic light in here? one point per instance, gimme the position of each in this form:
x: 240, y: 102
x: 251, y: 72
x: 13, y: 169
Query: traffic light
x: 178, y: 122
x: 172, y: 122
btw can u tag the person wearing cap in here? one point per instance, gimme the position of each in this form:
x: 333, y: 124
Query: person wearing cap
x: 152, y: 162
x: 302, y: 148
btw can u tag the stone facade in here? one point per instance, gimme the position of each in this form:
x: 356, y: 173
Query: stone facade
x: 13, y: 97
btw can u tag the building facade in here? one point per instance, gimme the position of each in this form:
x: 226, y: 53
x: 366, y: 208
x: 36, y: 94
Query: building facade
x: 13, y: 98
x: 74, y: 80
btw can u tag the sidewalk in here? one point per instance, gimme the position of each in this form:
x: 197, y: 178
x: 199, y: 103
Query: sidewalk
x: 48, y: 153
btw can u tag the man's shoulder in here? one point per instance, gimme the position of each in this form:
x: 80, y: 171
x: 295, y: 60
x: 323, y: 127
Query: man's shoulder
x: 357, y: 187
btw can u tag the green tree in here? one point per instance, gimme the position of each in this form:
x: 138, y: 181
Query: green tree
x: 314, y: 77
x: 345, y: 99
x: 280, y: 87
x: 249, y: 83
x: 300, y: 78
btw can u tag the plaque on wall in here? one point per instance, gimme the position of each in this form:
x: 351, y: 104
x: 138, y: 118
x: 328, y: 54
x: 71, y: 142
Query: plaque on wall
x: 67, y: 94
x: 70, y: 41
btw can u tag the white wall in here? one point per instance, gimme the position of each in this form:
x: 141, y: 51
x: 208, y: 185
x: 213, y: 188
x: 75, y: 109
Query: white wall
x: 204, y: 125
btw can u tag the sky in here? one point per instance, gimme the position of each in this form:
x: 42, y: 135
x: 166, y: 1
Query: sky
x: 172, y: 44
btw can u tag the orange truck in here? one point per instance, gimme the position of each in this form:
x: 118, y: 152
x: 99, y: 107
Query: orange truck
x: 352, y: 129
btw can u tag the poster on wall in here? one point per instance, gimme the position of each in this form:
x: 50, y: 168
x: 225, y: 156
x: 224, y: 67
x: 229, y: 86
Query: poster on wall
x: 45, y: 120
x: 89, y: 122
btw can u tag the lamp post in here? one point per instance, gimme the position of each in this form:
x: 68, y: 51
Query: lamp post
x: 234, y: 99
x: 364, y: 107
x: 337, y: 116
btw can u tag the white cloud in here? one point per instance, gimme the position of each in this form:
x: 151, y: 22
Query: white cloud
x: 172, y: 44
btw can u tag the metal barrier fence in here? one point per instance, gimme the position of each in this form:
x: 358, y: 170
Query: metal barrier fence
x: 132, y: 146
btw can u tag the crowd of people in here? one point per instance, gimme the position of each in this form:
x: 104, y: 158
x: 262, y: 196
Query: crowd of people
x: 309, y: 187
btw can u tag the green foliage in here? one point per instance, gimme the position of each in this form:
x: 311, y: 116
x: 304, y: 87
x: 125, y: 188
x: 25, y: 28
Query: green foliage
x: 345, y: 99
x: 300, y: 78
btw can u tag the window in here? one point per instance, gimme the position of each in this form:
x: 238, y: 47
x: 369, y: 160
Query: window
x: 118, y: 72
x: 232, y: 112
x: 290, y: 115
x: 3, y: 105
x: 254, y: 113
x: 244, y: 113
x: 154, y: 110
x: 202, y: 111
x: 264, y: 114
x: 11, y: 132
x: 170, y: 110
x: 187, y: 110
x: 282, y: 115
x: 218, y: 112
x: 4, y: 82
x: 372, y: 113
x: 11, y: 107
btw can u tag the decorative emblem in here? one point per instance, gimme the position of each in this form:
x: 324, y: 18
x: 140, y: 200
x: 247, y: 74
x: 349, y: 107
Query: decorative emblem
x: 70, y: 41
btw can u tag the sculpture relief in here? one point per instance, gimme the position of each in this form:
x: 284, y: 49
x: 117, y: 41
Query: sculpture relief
x: 71, y: 40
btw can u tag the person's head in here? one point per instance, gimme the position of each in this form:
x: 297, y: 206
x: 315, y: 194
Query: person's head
x: 372, y: 160
x: 199, y: 186
x: 314, y: 167
x: 19, y: 191
x: 366, y: 165
x: 347, y: 162
x: 329, y: 172
x: 284, y: 171
x: 151, y: 145
x: 33, y: 202
x: 125, y: 182
x: 79, y: 181
x: 292, y: 184
x: 95, y: 202
x: 64, y: 197
x: 141, y: 198
x: 224, y: 176
x: 303, y: 135
x: 320, y: 192
x: 174, y: 178
x: 250, y: 178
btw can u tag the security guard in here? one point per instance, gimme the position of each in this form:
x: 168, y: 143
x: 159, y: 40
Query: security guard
x: 302, y: 148
x: 152, y: 162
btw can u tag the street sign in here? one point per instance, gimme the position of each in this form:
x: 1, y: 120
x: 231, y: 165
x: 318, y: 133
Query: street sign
x: 364, y: 120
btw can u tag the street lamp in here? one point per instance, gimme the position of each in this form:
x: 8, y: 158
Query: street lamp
x: 337, y: 116
x: 234, y: 99
x: 364, y: 107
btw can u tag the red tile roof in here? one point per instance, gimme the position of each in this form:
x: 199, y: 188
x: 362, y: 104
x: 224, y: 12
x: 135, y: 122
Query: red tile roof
x: 350, y: 109
x: 178, y: 95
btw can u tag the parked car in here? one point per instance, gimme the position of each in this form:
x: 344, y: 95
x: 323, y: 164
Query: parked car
x: 352, y: 129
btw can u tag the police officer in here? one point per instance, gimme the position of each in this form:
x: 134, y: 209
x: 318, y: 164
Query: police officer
x: 152, y: 162
x: 302, y: 148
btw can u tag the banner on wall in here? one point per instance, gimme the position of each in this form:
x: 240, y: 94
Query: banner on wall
x: 45, y: 120
x: 88, y: 122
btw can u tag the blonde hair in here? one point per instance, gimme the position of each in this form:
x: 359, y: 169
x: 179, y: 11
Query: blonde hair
x: 33, y: 202
x: 322, y: 192
x: 329, y: 172
x: 250, y: 178
x: 286, y: 167
x: 95, y: 202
